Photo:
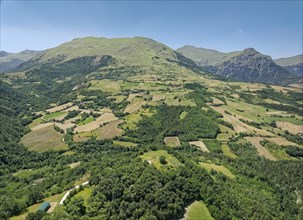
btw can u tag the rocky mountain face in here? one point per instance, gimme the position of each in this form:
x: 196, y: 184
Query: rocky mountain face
x: 248, y: 65
x: 292, y: 64
x: 11, y: 60
x: 252, y: 66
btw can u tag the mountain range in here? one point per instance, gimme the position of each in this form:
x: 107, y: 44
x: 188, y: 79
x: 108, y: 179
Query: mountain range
x: 12, y: 60
x: 248, y: 65
x: 144, y: 54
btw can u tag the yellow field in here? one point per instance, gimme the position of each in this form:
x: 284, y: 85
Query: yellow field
x: 172, y: 141
x: 218, y: 168
x: 44, y: 139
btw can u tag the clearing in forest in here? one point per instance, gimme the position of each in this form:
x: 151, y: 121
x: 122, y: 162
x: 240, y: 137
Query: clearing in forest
x: 281, y: 141
x: 109, y: 86
x: 197, y: 211
x: 54, y: 116
x: 74, y: 165
x: 59, y: 108
x: 157, y: 98
x: 154, y: 158
x: 219, y: 168
x: 108, y: 131
x: 100, y: 121
x: 44, y: 139
x: 199, y: 144
x: 226, y: 151
x: 287, y: 126
x: 262, y: 151
x: 238, y: 125
x: 134, y: 106
x: 125, y: 143
x: 132, y: 96
x: 172, y: 141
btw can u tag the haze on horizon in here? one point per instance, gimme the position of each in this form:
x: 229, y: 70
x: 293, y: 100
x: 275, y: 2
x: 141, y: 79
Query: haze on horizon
x: 271, y: 27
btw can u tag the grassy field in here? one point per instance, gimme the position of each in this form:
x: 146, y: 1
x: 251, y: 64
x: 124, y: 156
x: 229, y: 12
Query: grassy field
x: 85, y: 194
x: 132, y: 119
x: 86, y: 121
x: 226, y: 151
x: 183, y: 115
x: 44, y: 139
x: 108, y: 131
x: 218, y: 168
x: 124, y: 144
x: 197, y: 211
x: 172, y: 141
x: 200, y: 144
x: 33, y: 208
x: 54, y: 115
x: 262, y: 151
x: 35, y: 122
x: 154, y: 158
x: 109, y: 86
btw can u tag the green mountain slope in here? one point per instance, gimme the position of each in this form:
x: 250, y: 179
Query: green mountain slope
x: 205, y: 57
x: 12, y: 60
x: 289, y: 61
x: 136, y: 51
x: 292, y: 64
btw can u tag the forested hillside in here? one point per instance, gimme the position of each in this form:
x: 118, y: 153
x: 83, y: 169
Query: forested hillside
x: 145, y: 140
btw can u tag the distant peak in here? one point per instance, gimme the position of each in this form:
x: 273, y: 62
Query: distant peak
x: 250, y: 50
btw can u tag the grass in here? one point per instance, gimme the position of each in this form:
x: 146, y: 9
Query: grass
x: 154, y: 156
x: 34, y: 208
x: 124, y: 144
x: 172, y: 141
x: 131, y: 120
x: 108, y: 86
x: 198, y: 211
x: 35, y: 122
x: 86, y: 121
x: 53, y: 115
x: 108, y: 131
x: 226, y: 151
x: 85, y: 194
x: 183, y: 115
x: 44, y: 139
x: 218, y: 168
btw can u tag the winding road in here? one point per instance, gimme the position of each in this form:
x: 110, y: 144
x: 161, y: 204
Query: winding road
x: 68, y: 192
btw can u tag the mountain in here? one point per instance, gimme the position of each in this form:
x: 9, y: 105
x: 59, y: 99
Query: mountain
x: 136, y: 51
x: 12, y: 60
x: 205, y: 57
x: 252, y: 66
x: 248, y: 65
x: 292, y: 64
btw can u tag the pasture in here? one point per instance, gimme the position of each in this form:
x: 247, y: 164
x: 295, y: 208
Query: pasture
x: 200, y: 145
x: 154, y: 158
x: 44, y: 139
x: 219, y: 168
x: 197, y: 211
x: 172, y: 141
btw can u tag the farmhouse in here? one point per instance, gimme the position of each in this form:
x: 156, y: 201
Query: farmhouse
x: 44, y: 206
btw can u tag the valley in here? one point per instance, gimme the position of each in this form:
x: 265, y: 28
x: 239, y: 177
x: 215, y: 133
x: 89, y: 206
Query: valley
x: 151, y: 132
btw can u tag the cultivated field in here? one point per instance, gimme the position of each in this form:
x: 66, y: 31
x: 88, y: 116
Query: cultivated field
x: 172, y: 141
x: 100, y: 121
x: 218, y: 168
x: 262, y: 151
x: 59, y: 108
x: 43, y: 139
x: 287, y: 126
x: 199, y: 144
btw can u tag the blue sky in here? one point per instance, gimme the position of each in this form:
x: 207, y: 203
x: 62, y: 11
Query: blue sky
x: 271, y: 27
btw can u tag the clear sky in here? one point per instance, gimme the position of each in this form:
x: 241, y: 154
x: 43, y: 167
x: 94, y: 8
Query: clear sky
x: 271, y: 27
